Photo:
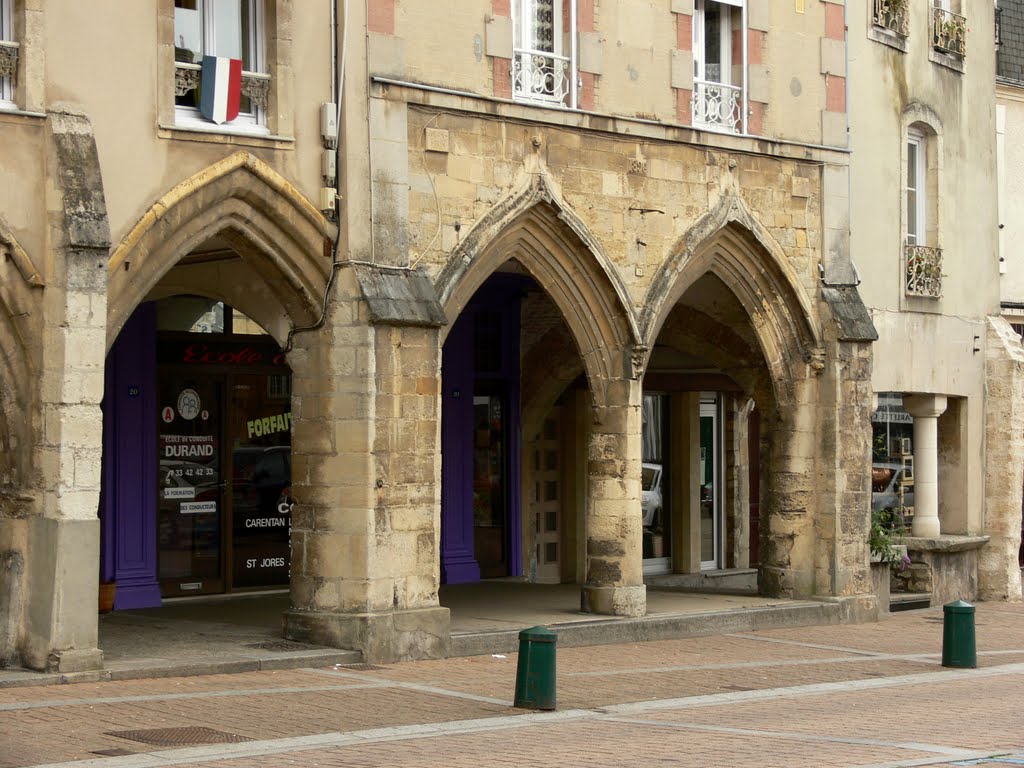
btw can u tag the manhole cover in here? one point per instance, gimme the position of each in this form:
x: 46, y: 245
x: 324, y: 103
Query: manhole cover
x: 179, y: 737
x: 282, y: 646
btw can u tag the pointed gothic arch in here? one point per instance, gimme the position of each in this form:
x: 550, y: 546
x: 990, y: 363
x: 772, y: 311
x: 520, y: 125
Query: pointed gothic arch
x: 534, y: 227
x: 729, y: 243
x: 282, y: 240
x: 18, y: 279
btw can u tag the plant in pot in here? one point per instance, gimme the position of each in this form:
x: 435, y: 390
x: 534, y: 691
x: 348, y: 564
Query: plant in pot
x: 884, y: 539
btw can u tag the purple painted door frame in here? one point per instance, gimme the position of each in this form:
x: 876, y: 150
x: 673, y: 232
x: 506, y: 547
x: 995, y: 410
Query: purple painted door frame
x: 458, y: 374
x: 458, y: 561
x: 128, y: 497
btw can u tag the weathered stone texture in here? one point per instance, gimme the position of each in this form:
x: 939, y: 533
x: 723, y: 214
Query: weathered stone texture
x: 998, y: 575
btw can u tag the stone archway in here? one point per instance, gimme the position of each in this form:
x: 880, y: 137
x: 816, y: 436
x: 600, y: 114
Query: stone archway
x: 283, y: 240
x: 536, y: 230
x: 18, y: 277
x: 817, y: 456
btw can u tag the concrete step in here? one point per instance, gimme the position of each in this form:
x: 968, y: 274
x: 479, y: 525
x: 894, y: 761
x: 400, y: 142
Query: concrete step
x: 615, y: 629
x: 909, y: 601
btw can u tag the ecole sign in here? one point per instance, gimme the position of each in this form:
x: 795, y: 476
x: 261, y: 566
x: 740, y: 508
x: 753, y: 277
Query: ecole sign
x: 203, y: 353
x: 229, y: 353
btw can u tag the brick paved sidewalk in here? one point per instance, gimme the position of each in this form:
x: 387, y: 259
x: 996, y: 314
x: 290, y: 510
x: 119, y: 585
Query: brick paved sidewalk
x: 838, y: 695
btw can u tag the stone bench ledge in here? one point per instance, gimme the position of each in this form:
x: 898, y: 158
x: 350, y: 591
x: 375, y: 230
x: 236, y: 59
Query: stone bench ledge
x: 943, y: 543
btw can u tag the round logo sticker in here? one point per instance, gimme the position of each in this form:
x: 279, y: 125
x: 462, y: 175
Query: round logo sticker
x: 167, y: 414
x: 188, y: 404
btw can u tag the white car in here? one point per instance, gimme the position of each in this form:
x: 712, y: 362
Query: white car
x: 651, y: 494
x: 886, y: 480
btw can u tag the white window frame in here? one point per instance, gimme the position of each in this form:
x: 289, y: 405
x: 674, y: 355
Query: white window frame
x: 249, y: 122
x: 7, y: 35
x: 725, y: 44
x: 918, y: 184
x: 523, y: 42
x: 711, y: 407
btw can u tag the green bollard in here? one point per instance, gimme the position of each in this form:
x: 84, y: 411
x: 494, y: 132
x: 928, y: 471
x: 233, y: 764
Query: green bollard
x: 535, y: 673
x: 958, y: 635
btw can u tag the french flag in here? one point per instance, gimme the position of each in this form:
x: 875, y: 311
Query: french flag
x: 221, y: 89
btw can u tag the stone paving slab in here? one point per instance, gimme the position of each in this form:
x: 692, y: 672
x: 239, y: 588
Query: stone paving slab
x: 867, y: 695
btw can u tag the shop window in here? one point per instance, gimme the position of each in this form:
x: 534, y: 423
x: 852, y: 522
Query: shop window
x: 719, y: 71
x: 892, y: 452
x: 225, y: 28
x: 8, y: 55
x: 543, y: 56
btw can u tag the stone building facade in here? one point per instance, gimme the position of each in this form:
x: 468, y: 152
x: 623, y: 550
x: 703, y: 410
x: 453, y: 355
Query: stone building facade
x: 569, y: 298
x: 946, y: 368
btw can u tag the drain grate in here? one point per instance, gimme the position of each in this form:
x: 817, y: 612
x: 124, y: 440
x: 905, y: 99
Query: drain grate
x: 113, y: 752
x: 282, y: 646
x: 179, y: 737
x: 359, y: 667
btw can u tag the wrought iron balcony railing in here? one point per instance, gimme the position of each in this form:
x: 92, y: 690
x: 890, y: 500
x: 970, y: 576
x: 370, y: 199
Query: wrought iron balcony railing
x: 893, y: 15
x: 8, y: 59
x: 255, y: 85
x: 716, y: 105
x: 924, y: 271
x: 949, y: 32
x: 541, y: 76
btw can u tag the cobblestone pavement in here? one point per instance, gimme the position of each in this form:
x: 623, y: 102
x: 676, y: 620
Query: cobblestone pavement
x: 863, y: 695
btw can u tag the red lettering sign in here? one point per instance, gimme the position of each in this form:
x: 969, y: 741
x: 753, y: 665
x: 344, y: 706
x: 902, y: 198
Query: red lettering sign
x: 202, y: 353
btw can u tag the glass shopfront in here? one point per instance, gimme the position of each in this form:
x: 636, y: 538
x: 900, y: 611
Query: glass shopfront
x: 224, y: 469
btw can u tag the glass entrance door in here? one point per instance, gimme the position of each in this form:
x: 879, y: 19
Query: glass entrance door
x: 490, y: 482
x: 190, y: 504
x: 710, y: 486
x: 259, y: 433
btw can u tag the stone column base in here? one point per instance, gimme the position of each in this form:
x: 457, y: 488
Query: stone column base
x: 614, y: 601
x: 418, y: 633
x: 75, y: 661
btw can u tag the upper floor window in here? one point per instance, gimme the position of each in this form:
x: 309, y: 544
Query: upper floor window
x: 949, y: 28
x: 917, y: 194
x: 544, y: 51
x: 892, y: 15
x: 923, y: 258
x: 719, y: 66
x: 8, y: 55
x: 224, y: 28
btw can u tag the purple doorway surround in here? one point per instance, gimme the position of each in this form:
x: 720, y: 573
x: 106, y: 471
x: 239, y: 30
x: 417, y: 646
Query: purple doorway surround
x: 458, y: 375
x: 128, y: 497
x: 458, y: 562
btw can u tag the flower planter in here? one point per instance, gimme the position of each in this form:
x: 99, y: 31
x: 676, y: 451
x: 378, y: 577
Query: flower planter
x: 107, y: 590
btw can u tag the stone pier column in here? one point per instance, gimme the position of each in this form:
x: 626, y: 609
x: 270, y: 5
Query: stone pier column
x: 615, y: 579
x: 366, y: 472
x: 926, y: 410
x: 63, y: 538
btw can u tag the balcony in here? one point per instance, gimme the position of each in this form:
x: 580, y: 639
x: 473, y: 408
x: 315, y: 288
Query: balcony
x: 924, y: 271
x: 949, y: 32
x: 8, y: 59
x: 717, y: 106
x: 541, y: 76
x: 255, y: 85
x: 893, y: 15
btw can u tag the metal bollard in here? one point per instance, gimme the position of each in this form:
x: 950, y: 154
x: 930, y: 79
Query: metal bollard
x: 958, y: 635
x: 535, y: 673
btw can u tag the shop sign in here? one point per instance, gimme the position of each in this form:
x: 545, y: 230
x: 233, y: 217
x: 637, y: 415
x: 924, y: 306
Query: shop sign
x: 198, y: 507
x: 270, y: 425
x: 187, y: 446
x: 188, y: 404
x: 182, y: 492
x: 235, y: 354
